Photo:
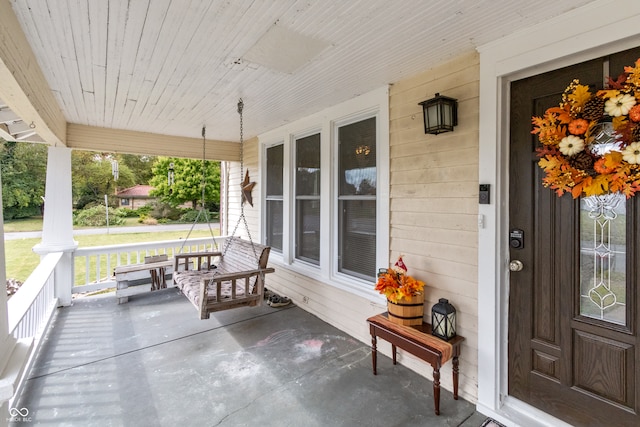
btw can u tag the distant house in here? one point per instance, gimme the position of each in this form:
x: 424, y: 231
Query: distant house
x: 135, y: 197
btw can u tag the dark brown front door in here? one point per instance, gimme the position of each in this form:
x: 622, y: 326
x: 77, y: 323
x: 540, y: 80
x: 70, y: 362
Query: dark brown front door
x: 573, y: 308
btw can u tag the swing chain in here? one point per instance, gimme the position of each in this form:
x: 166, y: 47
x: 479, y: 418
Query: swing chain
x: 242, y: 216
x: 202, y: 210
x: 240, y: 108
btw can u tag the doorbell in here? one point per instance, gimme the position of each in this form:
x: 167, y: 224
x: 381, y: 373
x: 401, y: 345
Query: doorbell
x: 484, y: 194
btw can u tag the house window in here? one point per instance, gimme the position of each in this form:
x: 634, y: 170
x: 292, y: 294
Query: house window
x: 274, y: 209
x: 307, y: 203
x: 357, y: 179
x: 124, y: 202
x: 325, y: 208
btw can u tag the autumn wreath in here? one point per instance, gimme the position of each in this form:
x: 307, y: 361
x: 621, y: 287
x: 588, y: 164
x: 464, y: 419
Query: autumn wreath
x: 396, y: 284
x: 591, y: 142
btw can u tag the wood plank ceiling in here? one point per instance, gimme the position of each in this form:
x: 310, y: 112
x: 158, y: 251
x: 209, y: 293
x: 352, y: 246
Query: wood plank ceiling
x: 171, y: 66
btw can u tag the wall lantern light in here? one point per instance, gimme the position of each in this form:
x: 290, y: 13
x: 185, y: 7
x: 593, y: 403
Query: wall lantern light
x: 440, y: 114
x: 443, y: 320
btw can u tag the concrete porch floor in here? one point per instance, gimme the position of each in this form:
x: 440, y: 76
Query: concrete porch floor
x: 152, y: 362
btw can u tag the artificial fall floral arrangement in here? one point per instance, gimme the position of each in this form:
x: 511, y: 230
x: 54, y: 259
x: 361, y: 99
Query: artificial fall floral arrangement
x: 591, y: 142
x: 396, y: 284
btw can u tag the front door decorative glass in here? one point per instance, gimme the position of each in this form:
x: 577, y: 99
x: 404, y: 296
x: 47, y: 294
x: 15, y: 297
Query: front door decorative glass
x: 603, y: 257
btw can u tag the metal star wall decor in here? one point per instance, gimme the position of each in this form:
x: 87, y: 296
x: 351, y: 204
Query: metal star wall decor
x: 247, y: 186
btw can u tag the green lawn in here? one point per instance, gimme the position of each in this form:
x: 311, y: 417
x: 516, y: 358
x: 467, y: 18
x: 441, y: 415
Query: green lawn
x: 26, y: 224
x: 21, y: 261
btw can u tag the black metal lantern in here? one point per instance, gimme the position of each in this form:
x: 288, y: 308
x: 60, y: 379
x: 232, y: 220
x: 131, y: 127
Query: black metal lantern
x: 443, y: 320
x: 440, y: 114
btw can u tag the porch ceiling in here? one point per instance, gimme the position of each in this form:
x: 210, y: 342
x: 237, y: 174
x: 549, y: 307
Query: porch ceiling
x: 169, y: 67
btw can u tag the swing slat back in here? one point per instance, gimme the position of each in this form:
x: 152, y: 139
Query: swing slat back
x: 237, y: 280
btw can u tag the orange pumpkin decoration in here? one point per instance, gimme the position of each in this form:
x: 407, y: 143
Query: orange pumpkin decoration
x: 634, y: 113
x: 600, y: 167
x: 578, y: 126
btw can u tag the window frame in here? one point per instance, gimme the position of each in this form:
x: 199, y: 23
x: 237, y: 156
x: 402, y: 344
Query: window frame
x: 337, y: 197
x: 294, y: 196
x: 268, y: 198
x: 372, y: 104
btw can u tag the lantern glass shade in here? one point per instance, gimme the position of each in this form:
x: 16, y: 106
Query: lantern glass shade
x: 440, y: 114
x: 443, y: 320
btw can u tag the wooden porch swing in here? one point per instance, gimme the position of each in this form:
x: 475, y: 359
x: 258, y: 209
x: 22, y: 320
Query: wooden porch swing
x: 221, y: 280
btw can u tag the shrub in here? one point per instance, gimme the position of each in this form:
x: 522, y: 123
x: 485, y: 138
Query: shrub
x: 96, y: 217
x: 143, y: 210
x: 18, y: 212
x: 127, y: 213
x: 164, y: 210
x: 191, y: 215
x: 149, y: 220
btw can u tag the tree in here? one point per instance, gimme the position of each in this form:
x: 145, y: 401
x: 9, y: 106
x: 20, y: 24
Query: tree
x: 24, y: 170
x: 93, y: 178
x: 187, y: 186
x: 140, y: 166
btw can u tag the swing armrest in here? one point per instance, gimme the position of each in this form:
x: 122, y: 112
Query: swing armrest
x: 194, y: 259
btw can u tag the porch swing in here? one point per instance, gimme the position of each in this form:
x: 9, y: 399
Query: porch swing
x: 226, y: 279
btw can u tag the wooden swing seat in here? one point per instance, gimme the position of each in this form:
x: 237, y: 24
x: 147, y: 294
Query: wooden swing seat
x: 236, y: 281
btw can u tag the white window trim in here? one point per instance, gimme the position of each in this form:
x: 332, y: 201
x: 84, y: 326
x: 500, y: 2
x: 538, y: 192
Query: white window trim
x: 543, y: 47
x: 335, y: 126
x: 374, y: 103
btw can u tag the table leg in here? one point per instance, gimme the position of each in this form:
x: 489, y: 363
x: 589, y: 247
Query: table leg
x: 123, y: 284
x: 154, y: 279
x: 393, y: 352
x: 456, y: 371
x: 436, y: 389
x: 374, y: 354
x: 163, y: 280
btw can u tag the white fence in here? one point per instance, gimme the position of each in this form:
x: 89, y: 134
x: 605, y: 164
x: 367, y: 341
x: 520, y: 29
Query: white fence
x: 94, y: 266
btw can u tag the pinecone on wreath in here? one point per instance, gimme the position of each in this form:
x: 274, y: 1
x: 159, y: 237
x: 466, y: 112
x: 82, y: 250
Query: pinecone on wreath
x: 635, y: 133
x: 583, y: 161
x: 593, y: 109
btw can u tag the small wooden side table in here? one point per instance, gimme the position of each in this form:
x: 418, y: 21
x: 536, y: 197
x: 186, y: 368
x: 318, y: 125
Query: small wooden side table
x: 418, y: 341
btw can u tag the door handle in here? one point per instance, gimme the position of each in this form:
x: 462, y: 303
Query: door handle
x: 516, y: 265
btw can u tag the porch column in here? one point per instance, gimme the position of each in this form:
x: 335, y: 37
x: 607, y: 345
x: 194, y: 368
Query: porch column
x: 57, y: 225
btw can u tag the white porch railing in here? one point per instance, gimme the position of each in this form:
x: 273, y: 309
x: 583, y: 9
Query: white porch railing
x: 30, y: 309
x: 29, y: 312
x: 94, y: 266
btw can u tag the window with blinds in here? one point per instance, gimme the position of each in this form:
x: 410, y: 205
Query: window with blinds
x: 307, y: 203
x: 357, y: 199
x: 274, y: 197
